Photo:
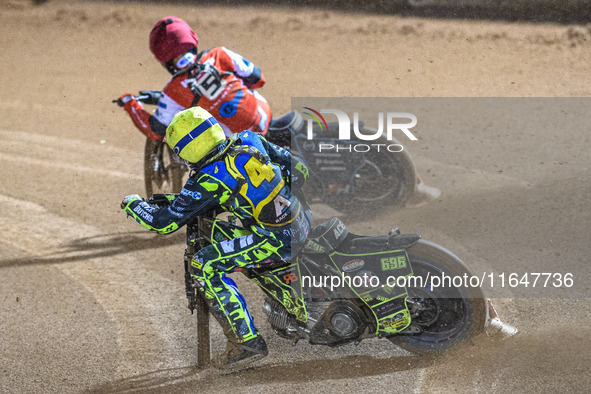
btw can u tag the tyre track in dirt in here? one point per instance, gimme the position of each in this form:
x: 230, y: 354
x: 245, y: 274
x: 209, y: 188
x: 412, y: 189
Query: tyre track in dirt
x: 46, y: 342
x: 138, y: 302
x: 52, y: 152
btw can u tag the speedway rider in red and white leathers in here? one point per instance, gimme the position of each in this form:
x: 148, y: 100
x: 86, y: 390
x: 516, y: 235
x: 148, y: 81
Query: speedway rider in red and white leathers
x: 218, y: 80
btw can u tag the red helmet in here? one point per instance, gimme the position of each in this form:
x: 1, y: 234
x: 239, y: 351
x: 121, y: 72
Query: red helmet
x: 171, y: 37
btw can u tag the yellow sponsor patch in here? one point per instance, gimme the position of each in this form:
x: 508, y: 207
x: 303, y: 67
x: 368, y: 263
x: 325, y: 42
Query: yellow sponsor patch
x: 197, y: 264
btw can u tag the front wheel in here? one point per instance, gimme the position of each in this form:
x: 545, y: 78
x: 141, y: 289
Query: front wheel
x: 447, y: 317
x: 163, y: 170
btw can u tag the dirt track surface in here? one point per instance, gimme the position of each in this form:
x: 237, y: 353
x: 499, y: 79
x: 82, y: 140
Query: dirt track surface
x: 89, y: 301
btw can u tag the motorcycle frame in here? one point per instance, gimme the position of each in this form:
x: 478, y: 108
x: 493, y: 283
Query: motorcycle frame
x: 273, y: 280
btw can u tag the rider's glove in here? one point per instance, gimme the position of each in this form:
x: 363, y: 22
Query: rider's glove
x: 153, y: 96
x: 129, y: 199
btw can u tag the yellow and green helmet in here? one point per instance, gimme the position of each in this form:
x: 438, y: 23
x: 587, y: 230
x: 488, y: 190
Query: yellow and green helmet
x: 192, y: 133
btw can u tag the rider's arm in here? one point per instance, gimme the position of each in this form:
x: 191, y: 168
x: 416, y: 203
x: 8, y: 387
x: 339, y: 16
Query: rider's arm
x: 200, y: 194
x: 251, y: 75
x: 175, y: 98
x: 142, y: 119
x: 293, y: 165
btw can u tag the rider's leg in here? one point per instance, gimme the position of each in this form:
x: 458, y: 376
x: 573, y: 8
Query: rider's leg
x: 263, y: 115
x: 209, y: 268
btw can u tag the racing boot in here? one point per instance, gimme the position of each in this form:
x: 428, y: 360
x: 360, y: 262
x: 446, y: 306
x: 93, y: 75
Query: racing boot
x: 238, y: 354
x: 228, y: 307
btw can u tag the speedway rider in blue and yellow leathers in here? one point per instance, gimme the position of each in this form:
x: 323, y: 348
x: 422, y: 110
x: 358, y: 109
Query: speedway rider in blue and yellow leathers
x: 255, y: 180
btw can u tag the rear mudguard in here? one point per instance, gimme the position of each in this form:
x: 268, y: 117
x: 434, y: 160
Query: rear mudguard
x: 361, y: 244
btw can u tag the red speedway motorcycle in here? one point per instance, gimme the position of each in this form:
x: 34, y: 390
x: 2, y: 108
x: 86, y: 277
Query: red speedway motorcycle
x: 339, y: 179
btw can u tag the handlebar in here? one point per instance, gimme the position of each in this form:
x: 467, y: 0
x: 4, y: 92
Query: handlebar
x: 145, y: 96
x: 161, y: 199
x: 141, y: 98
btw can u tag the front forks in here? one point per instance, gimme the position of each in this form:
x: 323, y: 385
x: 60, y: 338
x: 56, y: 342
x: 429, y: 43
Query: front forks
x: 195, y: 301
x: 193, y: 245
x: 197, y: 238
x: 190, y: 289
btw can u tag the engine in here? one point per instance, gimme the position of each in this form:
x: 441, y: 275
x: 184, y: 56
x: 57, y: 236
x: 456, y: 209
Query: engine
x: 283, y: 322
x: 330, y: 323
x: 340, y: 323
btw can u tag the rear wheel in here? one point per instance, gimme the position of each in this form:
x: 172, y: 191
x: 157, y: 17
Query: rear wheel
x: 163, y: 170
x: 446, y: 316
x: 383, y: 178
x: 388, y: 176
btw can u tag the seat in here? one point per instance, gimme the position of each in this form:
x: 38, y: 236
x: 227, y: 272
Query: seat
x: 292, y: 119
x: 326, y: 236
x: 280, y: 130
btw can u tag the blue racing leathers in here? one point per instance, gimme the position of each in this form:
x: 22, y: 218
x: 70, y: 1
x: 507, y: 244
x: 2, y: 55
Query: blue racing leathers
x: 259, y: 183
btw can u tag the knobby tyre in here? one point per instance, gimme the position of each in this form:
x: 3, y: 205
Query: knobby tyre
x: 448, y: 316
x: 163, y: 170
x: 384, y: 178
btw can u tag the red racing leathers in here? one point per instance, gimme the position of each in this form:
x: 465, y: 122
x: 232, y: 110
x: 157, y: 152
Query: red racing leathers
x: 220, y: 81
